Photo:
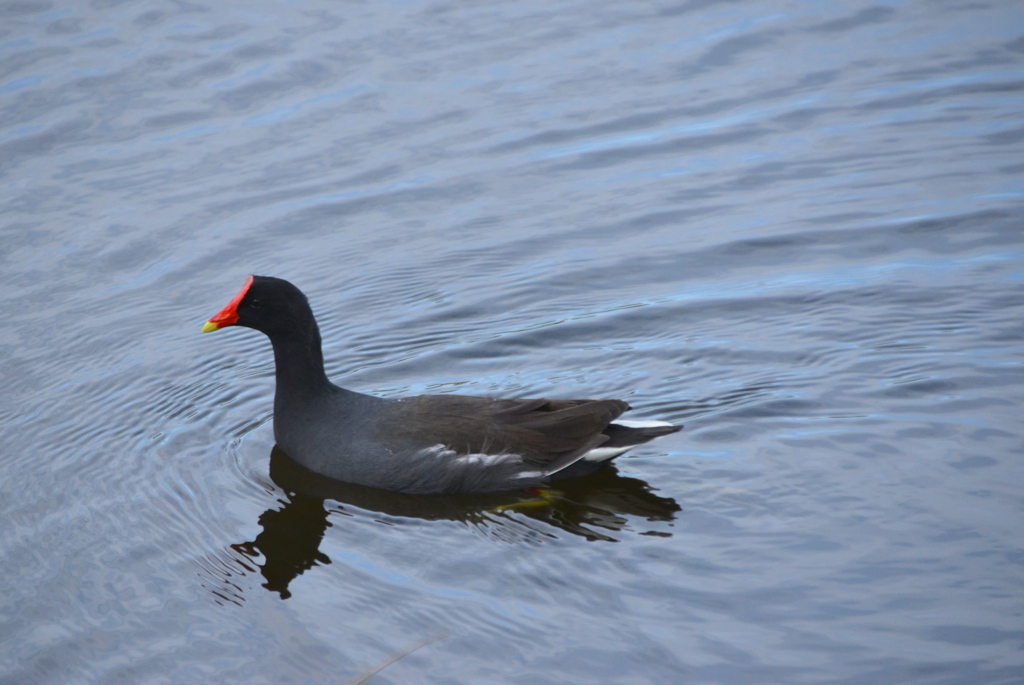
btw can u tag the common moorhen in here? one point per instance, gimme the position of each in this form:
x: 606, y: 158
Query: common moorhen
x: 424, y: 444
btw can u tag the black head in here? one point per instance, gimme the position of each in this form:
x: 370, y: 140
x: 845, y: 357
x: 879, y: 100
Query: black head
x: 270, y: 305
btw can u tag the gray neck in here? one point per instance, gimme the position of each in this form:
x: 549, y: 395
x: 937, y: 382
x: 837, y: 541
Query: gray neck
x: 300, y: 365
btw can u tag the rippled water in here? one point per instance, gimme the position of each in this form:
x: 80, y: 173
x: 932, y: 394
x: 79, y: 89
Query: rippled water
x: 795, y: 227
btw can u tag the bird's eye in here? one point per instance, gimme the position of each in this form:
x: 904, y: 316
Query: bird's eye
x: 255, y: 304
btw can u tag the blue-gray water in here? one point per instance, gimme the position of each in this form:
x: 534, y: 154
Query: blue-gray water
x: 797, y: 228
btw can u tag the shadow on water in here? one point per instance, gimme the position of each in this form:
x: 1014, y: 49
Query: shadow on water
x: 595, y: 507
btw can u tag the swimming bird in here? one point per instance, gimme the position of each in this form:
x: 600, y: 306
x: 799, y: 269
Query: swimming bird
x: 425, y: 444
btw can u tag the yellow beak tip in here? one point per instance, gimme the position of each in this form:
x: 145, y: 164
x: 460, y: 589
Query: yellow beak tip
x: 209, y: 326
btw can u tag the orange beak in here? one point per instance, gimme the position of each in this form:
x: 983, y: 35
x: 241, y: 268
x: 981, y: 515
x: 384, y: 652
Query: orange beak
x: 229, y: 315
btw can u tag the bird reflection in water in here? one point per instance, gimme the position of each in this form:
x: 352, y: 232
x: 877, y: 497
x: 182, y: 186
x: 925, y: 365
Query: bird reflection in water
x: 595, y: 507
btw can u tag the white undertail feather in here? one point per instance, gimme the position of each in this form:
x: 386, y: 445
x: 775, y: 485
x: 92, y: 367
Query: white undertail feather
x: 640, y: 424
x: 606, y: 453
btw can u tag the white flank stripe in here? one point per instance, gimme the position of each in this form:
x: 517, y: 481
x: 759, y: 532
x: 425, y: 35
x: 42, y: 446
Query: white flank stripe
x: 530, y: 474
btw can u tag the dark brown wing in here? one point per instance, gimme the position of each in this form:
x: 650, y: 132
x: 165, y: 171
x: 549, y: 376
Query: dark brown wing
x: 544, y: 432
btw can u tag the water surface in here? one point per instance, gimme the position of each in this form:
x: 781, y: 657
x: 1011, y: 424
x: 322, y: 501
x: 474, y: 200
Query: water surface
x: 795, y: 228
